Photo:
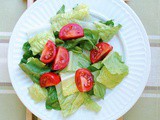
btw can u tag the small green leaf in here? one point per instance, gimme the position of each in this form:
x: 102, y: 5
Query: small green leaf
x: 61, y: 10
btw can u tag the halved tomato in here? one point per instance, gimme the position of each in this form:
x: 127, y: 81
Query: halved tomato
x: 102, y: 50
x: 49, y: 79
x: 61, y: 60
x: 84, y: 80
x: 49, y: 52
x: 71, y: 31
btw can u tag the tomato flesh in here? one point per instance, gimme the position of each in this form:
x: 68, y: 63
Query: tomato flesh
x: 49, y: 52
x: 61, y: 60
x: 84, y: 80
x: 71, y: 31
x: 49, y: 79
x: 100, y: 53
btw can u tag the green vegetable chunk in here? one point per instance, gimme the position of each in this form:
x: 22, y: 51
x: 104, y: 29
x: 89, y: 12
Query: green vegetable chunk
x: 77, y: 61
x: 52, y: 99
x: 68, y: 83
x: 34, y: 68
x: 114, y: 70
x: 107, y: 32
x: 38, y: 41
x: 96, y: 66
x: 90, y: 104
x: 69, y: 104
x: 37, y: 93
x: 62, y: 10
x: 79, y: 13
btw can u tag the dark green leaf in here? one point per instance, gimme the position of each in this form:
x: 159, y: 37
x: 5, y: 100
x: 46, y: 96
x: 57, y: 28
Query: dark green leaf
x: 77, y: 50
x: 34, y: 68
x: 62, y: 10
x: 91, y: 92
x: 52, y: 99
x: 59, y: 42
x: 56, y: 34
x: 109, y: 23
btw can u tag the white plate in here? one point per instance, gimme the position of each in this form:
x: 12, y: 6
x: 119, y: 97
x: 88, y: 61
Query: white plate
x: 132, y: 43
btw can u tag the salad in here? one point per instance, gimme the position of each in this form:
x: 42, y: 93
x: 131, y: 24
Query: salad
x: 71, y: 64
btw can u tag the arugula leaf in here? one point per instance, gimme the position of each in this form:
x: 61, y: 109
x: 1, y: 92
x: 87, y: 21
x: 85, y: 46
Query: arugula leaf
x: 61, y: 10
x: 109, y: 23
x: 52, y: 99
x: 37, y: 93
x: 77, y: 50
x: 59, y: 42
x: 34, y: 68
x: 56, y: 34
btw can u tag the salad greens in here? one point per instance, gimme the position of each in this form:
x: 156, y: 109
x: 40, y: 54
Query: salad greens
x: 52, y: 99
x: 37, y: 93
x: 34, y: 68
x: 38, y: 42
x: 107, y: 73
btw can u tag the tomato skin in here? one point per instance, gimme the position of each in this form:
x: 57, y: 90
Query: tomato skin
x: 102, y: 50
x: 71, y: 31
x: 49, y: 79
x: 84, y: 80
x: 49, y: 52
x: 61, y: 60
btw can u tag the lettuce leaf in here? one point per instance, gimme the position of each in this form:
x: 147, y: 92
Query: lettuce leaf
x: 87, y: 42
x: 107, y: 32
x: 113, y: 72
x: 96, y: 66
x: 34, y: 68
x: 77, y: 61
x: 69, y: 104
x: 52, y: 99
x: 90, y: 104
x: 79, y: 13
x: 68, y: 83
x: 38, y: 42
x: 37, y: 93
x: 108, y: 23
x: 61, y: 10
x: 98, y: 88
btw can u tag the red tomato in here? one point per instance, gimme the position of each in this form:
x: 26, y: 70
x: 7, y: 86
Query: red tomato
x: 102, y: 50
x: 84, y: 80
x: 61, y: 60
x: 71, y: 31
x: 49, y: 52
x: 49, y: 79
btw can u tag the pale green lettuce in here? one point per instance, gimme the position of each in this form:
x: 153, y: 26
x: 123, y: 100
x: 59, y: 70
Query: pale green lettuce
x: 68, y: 83
x: 113, y: 72
x: 69, y: 104
x: 37, y: 93
x: 79, y: 13
x: 77, y: 61
x: 107, y: 32
x: 38, y: 42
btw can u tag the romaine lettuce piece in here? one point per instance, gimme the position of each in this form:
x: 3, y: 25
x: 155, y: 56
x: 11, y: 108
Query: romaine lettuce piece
x: 114, y: 64
x: 77, y: 61
x: 79, y: 13
x: 69, y: 104
x: 37, y: 93
x: 113, y: 72
x: 90, y: 104
x: 107, y: 32
x: 68, y: 83
x: 96, y: 66
x: 34, y: 68
x: 61, y: 10
x: 52, y: 99
x: 38, y: 42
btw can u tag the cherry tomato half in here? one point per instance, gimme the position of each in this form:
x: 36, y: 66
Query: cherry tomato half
x: 49, y: 79
x: 71, y: 31
x: 49, y: 52
x: 61, y: 60
x: 102, y: 50
x: 84, y: 80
